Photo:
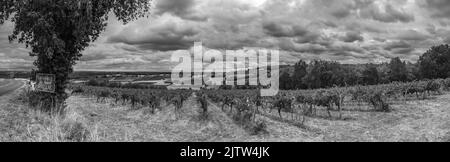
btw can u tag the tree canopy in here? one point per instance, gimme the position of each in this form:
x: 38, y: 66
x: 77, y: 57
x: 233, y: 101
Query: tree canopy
x: 435, y: 63
x: 398, y: 70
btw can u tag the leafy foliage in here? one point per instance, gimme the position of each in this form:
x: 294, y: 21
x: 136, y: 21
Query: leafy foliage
x: 435, y: 63
x: 397, y: 70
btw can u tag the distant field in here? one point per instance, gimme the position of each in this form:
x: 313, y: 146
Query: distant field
x: 7, y: 86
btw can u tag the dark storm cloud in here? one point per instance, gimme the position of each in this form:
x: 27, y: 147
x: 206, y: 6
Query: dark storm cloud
x: 163, y: 37
x: 402, y: 51
x: 444, y: 23
x: 341, y: 13
x: 180, y: 8
x: 94, y: 57
x: 237, y: 43
x: 310, y: 37
x: 447, y: 40
x: 399, y: 47
x: 390, y: 15
x: 438, y: 8
x: 177, y: 7
x: 358, y: 27
x: 165, y: 45
x: 396, y: 45
x: 287, y: 44
x: 337, y: 9
x: 412, y: 35
x: 385, y: 12
x: 431, y: 29
x: 348, y: 48
x: 352, y: 37
x: 279, y: 30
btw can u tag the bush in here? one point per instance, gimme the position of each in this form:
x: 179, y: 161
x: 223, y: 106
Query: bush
x: 244, y: 112
x: 377, y: 101
x: 24, y: 96
x: 260, y: 128
x: 42, y: 101
x: 203, y: 101
x: 446, y: 84
x: 92, y: 82
x: 434, y: 86
x: 75, y: 131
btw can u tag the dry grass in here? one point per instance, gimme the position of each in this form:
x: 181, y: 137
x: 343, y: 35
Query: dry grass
x: 89, y: 121
x: 414, y: 121
x: 19, y: 123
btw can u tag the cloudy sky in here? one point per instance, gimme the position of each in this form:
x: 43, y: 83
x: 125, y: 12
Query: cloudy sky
x: 348, y: 31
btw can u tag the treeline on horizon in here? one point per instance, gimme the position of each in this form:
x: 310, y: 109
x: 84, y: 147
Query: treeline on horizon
x: 81, y: 75
x: 433, y: 64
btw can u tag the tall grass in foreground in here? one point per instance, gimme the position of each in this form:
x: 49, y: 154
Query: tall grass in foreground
x: 41, y: 126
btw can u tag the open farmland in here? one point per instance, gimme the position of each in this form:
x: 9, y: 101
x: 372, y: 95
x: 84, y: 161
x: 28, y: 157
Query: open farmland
x: 108, y: 114
x: 113, y: 114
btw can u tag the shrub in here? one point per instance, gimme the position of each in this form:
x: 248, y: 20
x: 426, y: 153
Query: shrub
x: 201, y: 98
x: 41, y: 101
x: 75, y: 131
x: 260, y: 128
x: 377, y: 101
x: 283, y: 104
x: 446, y: 83
x: 244, y: 112
x: 434, y: 86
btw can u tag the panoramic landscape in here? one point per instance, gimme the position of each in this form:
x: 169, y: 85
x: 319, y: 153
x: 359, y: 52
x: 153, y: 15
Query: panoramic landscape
x: 225, y: 71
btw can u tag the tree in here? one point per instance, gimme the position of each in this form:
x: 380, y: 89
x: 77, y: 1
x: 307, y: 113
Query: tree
x: 397, y: 70
x: 383, y: 72
x: 59, y: 30
x: 413, y: 71
x: 286, y: 81
x: 435, y: 63
x: 323, y: 74
x: 370, y: 75
x: 348, y: 75
x: 300, y: 71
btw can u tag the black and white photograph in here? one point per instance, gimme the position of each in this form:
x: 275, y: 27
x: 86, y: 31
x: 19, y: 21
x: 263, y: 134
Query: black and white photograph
x: 220, y: 71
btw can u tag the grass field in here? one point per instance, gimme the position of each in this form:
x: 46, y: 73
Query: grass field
x: 87, y: 120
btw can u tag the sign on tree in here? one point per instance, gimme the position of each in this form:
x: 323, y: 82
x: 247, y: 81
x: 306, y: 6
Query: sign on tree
x: 45, y: 83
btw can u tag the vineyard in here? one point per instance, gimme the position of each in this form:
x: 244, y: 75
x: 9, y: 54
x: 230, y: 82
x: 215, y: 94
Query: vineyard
x: 246, y: 108
x: 297, y: 105
x: 136, y: 98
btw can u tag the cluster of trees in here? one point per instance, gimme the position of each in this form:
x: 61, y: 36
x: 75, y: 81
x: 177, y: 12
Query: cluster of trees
x: 434, y: 64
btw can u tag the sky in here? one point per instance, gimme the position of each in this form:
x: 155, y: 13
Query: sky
x: 347, y: 31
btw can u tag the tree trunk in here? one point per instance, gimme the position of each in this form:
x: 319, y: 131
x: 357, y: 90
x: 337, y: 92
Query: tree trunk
x: 59, y: 65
